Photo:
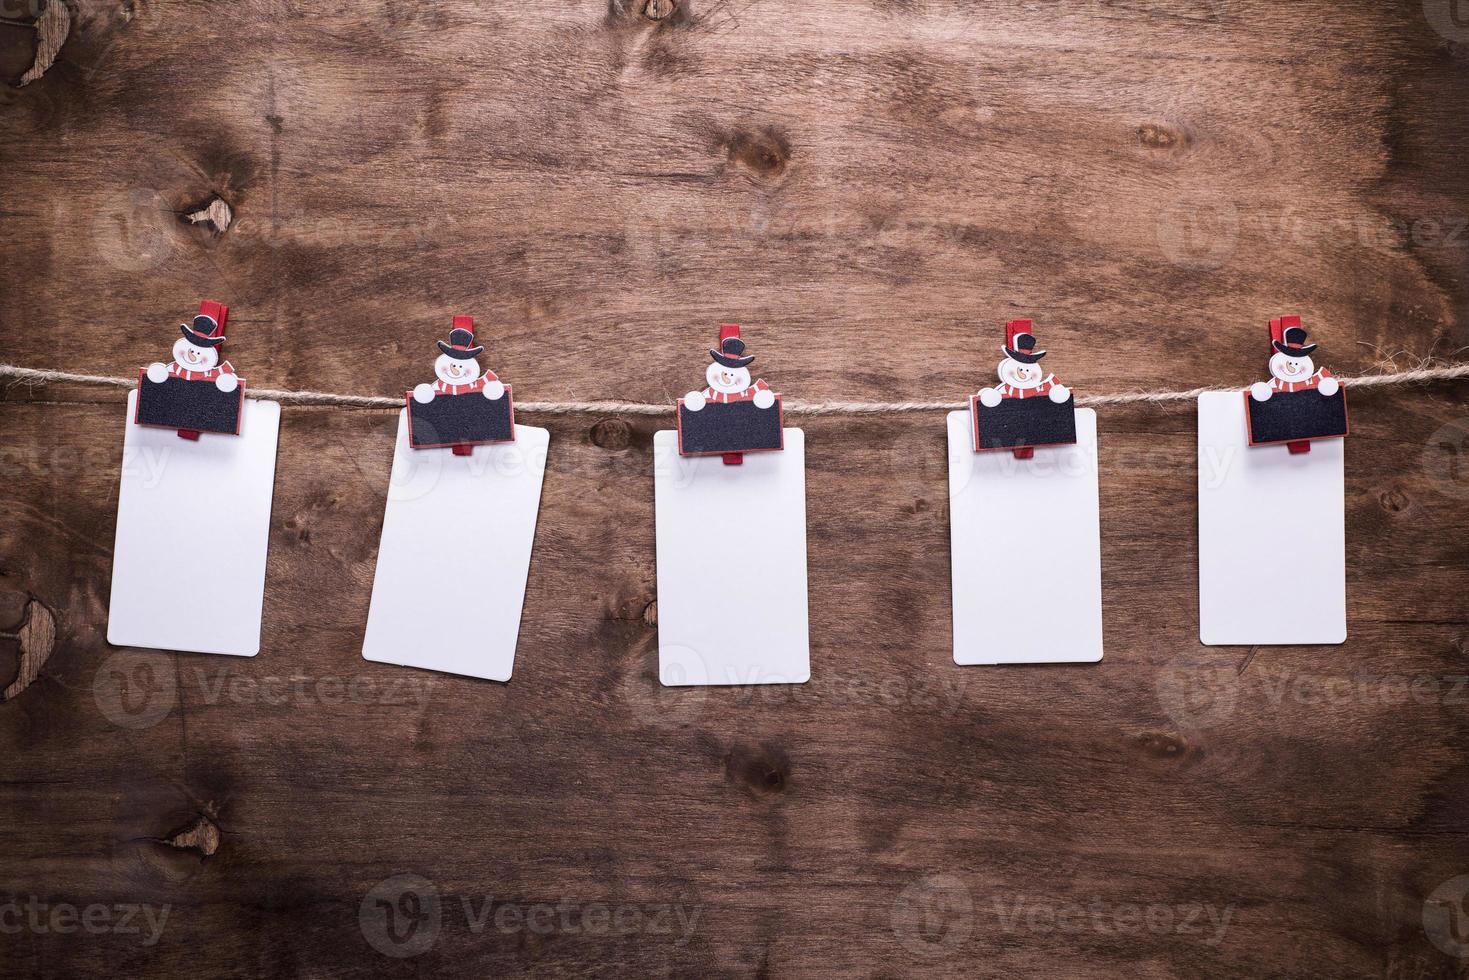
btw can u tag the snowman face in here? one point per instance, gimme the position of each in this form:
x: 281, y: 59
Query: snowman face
x: 192, y: 357
x: 728, y: 380
x: 1022, y: 376
x: 1288, y: 368
x: 453, y: 371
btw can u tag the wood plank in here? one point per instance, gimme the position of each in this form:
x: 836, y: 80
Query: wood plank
x: 872, y: 189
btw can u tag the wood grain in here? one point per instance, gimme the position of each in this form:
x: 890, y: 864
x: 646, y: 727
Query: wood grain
x: 872, y: 189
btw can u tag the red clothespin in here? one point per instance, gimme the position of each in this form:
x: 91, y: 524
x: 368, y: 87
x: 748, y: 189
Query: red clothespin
x: 220, y: 314
x: 726, y: 331
x: 1013, y: 329
x: 1278, y: 328
x: 462, y: 322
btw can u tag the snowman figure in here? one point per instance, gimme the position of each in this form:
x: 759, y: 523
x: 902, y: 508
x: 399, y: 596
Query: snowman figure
x: 729, y: 376
x: 1291, y: 367
x: 457, y: 370
x: 196, y: 356
x: 1021, y: 375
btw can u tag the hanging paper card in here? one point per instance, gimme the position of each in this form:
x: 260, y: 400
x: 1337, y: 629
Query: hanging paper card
x: 458, y: 528
x: 1272, y: 539
x: 731, y: 539
x: 1024, y: 525
x: 193, y: 516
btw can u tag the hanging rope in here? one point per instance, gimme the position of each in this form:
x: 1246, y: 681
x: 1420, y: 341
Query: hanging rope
x: 37, y: 376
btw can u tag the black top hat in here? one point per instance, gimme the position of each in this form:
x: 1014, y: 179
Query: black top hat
x: 205, y: 332
x: 729, y: 353
x: 459, y: 343
x: 1295, y: 343
x: 1024, y: 350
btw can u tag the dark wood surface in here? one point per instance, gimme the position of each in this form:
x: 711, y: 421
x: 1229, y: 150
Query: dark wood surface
x: 872, y: 189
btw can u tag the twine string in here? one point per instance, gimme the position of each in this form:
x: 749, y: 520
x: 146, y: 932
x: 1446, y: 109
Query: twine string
x: 40, y: 376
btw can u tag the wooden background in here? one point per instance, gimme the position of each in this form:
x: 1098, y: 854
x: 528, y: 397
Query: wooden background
x: 872, y: 188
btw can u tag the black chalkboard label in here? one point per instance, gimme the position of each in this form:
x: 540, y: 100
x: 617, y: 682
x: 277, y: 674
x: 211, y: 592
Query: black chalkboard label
x: 174, y: 403
x: 469, y: 419
x: 1291, y: 416
x: 730, y: 427
x: 1020, y: 422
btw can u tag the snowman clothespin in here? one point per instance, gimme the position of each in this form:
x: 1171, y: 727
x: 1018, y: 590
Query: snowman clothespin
x: 464, y: 407
x: 1029, y: 408
x: 196, y: 391
x: 732, y: 416
x: 1300, y: 402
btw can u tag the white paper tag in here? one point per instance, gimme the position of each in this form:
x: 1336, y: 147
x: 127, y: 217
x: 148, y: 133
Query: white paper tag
x: 1272, y: 535
x: 1026, y: 550
x: 731, y: 566
x: 193, y: 525
x: 455, y: 549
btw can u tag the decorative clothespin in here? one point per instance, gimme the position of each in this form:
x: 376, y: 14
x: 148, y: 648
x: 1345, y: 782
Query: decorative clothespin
x: 732, y: 416
x: 464, y: 407
x: 1300, y: 402
x: 195, y: 392
x: 1029, y: 408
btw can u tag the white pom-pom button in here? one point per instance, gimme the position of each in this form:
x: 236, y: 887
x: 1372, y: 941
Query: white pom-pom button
x: 157, y: 373
x: 764, y: 398
x: 494, y: 390
x: 1260, y: 391
x: 989, y: 397
x: 226, y: 382
x: 423, y: 394
x: 1059, y: 393
x: 1329, y: 386
x: 693, y: 401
